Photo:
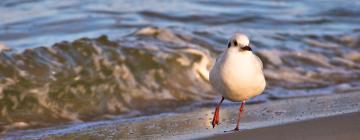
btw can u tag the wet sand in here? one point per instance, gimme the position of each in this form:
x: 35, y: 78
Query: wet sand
x: 340, y: 127
x: 289, y: 118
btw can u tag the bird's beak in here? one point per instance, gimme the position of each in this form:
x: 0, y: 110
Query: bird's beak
x: 246, y: 48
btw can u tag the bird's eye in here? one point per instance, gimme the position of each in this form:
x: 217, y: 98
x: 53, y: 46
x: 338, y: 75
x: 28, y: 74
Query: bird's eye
x: 229, y: 45
x: 235, y: 43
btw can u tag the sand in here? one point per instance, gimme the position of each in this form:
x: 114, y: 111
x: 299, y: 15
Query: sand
x: 321, y: 117
x: 339, y: 127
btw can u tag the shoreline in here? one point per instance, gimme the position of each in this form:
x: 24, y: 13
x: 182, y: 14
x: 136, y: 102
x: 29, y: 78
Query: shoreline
x: 196, y: 124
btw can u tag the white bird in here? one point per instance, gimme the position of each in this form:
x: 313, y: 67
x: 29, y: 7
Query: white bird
x: 237, y: 75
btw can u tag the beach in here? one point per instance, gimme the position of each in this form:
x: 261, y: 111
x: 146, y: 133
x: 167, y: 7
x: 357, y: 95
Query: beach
x: 334, y: 116
x: 135, y: 69
x: 339, y: 127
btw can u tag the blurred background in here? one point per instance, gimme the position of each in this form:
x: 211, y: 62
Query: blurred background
x: 74, y: 60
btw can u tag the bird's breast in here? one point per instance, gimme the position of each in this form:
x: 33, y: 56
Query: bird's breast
x: 241, y: 76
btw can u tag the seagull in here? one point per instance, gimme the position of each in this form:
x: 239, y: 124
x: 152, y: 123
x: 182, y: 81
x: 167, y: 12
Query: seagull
x: 237, y: 75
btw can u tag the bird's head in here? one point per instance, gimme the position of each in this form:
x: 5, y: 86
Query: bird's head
x: 239, y: 42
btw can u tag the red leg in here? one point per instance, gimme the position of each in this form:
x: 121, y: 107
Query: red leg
x: 216, y: 117
x: 238, y: 119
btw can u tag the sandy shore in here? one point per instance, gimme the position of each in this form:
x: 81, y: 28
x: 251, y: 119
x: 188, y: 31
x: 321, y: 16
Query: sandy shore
x: 340, y: 127
x: 320, y: 117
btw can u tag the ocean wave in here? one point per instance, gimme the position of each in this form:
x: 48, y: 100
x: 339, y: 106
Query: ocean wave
x: 149, y: 71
